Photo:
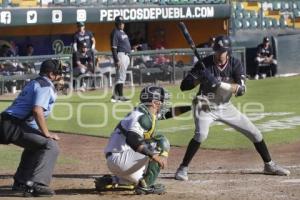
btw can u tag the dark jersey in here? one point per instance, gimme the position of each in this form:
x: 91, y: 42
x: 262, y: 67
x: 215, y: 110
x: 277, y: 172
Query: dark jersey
x: 84, y: 59
x: 262, y: 51
x: 232, y: 72
x: 120, y: 41
x: 83, y: 37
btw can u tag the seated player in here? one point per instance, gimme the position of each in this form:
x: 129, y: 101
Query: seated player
x: 265, y: 55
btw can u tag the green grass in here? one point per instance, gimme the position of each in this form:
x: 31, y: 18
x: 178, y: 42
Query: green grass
x: 275, y: 95
x: 97, y: 114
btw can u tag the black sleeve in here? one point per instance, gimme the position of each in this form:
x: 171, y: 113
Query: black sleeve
x: 193, y: 78
x: 188, y: 83
x: 134, y: 140
x: 114, y: 45
x: 173, y: 112
x: 258, y: 51
x: 238, y: 71
x: 75, y: 38
x: 75, y: 59
x: 270, y: 50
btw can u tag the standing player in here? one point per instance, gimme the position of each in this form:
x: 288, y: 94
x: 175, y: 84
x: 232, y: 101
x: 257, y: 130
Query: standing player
x: 134, y: 152
x: 121, y: 48
x: 23, y: 124
x: 222, y: 76
x: 83, y: 35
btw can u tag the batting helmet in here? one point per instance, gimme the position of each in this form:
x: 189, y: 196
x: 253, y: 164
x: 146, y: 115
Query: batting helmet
x: 222, y: 43
x: 54, y: 66
x: 150, y: 93
x: 119, y: 20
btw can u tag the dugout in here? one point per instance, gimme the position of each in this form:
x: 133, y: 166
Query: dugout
x: 43, y: 29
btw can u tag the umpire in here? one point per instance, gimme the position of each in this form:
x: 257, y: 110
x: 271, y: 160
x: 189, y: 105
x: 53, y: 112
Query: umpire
x: 121, y: 48
x: 24, y: 124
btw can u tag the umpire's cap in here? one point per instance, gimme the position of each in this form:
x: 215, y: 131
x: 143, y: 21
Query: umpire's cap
x: 119, y: 20
x: 222, y: 44
x: 150, y: 93
x: 50, y: 65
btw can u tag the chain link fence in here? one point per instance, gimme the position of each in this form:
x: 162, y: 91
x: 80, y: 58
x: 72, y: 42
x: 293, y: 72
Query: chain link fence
x: 168, y: 65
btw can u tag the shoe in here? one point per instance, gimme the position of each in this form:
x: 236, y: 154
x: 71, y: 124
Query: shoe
x: 153, y: 189
x: 256, y: 77
x: 82, y: 89
x: 124, y: 99
x: 272, y: 168
x: 37, y: 190
x: 18, y: 187
x: 114, y: 99
x: 111, y: 183
x: 182, y: 174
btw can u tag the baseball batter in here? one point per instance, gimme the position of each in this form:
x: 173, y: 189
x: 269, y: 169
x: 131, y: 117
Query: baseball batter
x: 134, y: 152
x: 121, y: 48
x: 221, y: 76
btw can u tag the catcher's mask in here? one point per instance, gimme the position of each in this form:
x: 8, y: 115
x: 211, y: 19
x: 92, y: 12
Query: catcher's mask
x: 150, y: 93
x: 50, y: 65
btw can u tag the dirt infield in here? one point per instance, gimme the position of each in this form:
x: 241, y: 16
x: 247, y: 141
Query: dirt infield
x: 214, y: 174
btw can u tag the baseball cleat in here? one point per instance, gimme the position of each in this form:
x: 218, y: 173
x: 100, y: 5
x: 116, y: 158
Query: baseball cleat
x: 124, y: 99
x: 272, y: 168
x: 114, y: 99
x: 153, y: 189
x: 37, y: 190
x: 182, y: 174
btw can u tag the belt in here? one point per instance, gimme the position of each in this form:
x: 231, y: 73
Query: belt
x: 126, y: 53
x: 6, y: 116
x: 108, y: 154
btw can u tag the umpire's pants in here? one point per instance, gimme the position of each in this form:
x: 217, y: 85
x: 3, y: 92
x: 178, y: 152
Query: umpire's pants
x: 39, y: 155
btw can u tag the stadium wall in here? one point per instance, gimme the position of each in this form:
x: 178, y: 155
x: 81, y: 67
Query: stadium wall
x: 200, y: 30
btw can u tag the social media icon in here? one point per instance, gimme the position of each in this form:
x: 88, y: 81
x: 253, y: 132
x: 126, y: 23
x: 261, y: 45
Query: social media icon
x: 81, y: 15
x: 56, y: 16
x: 5, y: 17
x: 31, y: 17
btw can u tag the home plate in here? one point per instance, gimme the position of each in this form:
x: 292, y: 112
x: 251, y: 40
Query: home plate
x: 291, y: 181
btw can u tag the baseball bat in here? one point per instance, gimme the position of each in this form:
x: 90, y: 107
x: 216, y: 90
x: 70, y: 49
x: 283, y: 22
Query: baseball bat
x: 190, y: 41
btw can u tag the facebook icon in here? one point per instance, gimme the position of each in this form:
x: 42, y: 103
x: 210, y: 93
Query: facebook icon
x: 5, y: 17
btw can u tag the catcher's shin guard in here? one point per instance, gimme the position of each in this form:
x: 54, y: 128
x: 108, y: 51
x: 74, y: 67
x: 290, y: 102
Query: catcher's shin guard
x: 111, y: 183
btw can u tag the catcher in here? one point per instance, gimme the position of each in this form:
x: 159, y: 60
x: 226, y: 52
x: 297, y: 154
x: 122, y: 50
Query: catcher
x: 221, y: 76
x: 134, y: 153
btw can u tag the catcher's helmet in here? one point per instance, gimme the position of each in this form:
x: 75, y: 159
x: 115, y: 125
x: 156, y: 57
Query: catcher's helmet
x: 222, y: 43
x: 150, y: 93
x: 119, y: 20
x: 54, y: 66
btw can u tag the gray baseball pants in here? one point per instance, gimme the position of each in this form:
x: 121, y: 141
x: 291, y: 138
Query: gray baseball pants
x: 121, y: 71
x: 228, y: 114
x: 38, y: 158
